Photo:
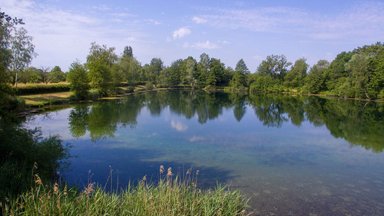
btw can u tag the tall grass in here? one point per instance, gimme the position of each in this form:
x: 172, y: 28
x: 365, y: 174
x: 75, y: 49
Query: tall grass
x: 169, y: 196
x: 40, y: 88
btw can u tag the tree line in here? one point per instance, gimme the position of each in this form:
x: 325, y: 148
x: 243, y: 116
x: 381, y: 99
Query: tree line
x: 354, y: 74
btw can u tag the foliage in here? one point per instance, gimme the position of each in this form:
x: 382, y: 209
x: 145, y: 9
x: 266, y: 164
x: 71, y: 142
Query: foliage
x: 264, y: 83
x: 99, y: 62
x: 23, y: 152
x: 30, y: 75
x: 275, y: 66
x: 78, y: 79
x: 22, y: 50
x: 295, y: 77
x: 216, y: 73
x: 7, y: 25
x: 171, y: 75
x: 152, y: 70
x: 56, y: 75
x: 127, y: 69
x: 315, y: 81
x: 357, y: 74
x: 239, y: 78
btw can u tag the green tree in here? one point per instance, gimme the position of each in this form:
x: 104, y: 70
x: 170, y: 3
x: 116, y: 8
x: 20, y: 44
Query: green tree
x: 22, y: 50
x: 215, y: 73
x: 128, y: 52
x: 171, y: 76
x: 78, y: 79
x: 239, y: 79
x: 30, y: 75
x: 99, y: 63
x: 202, y: 70
x: 264, y: 83
x: 241, y: 67
x: 315, y: 81
x: 275, y: 66
x: 56, y: 75
x: 337, y: 71
x: 295, y: 77
x: 376, y: 83
x: 44, y: 74
x: 152, y: 70
x: 7, y: 99
x: 188, y: 73
x: 128, y: 68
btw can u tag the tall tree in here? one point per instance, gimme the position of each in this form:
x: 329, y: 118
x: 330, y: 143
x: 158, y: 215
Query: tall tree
x: 7, y: 25
x: 360, y: 75
x: 78, y: 79
x: 44, y: 74
x: 295, y: 77
x: 315, y: 81
x: 189, y: 71
x: 275, y: 66
x: 56, y: 75
x: 241, y: 67
x: 203, y: 69
x: 99, y: 63
x: 239, y: 79
x: 153, y: 69
x: 215, y: 73
x: 128, y: 52
x: 22, y: 50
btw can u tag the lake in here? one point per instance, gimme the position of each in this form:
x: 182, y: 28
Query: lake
x: 290, y: 155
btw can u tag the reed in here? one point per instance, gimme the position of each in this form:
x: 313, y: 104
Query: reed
x: 170, y: 196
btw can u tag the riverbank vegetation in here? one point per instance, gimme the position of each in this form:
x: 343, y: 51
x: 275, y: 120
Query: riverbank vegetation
x: 169, y: 197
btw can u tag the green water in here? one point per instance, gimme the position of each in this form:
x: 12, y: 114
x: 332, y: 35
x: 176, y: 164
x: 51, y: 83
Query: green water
x: 290, y: 155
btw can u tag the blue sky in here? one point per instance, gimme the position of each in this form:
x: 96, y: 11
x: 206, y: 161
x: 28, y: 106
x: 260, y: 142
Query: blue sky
x: 63, y: 30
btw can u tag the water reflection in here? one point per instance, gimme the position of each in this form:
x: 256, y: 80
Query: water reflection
x: 359, y: 123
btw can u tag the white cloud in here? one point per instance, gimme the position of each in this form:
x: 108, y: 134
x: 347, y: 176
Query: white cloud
x: 181, y: 32
x: 179, y: 126
x: 61, y: 36
x: 202, y: 45
x: 363, y: 20
x: 199, y: 20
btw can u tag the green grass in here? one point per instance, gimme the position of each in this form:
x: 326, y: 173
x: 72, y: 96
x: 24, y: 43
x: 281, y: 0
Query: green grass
x: 39, y: 88
x: 46, y: 99
x: 169, y: 197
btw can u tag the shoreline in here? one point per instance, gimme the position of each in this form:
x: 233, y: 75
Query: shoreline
x: 47, y: 103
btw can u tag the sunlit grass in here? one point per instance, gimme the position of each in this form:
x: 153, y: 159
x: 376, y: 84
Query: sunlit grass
x: 44, y: 99
x: 169, y: 197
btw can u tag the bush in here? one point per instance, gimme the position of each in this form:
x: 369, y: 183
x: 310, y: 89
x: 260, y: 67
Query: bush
x: 23, y: 152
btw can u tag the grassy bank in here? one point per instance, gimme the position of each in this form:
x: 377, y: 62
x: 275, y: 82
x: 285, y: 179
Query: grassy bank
x: 169, y: 197
x: 38, y: 100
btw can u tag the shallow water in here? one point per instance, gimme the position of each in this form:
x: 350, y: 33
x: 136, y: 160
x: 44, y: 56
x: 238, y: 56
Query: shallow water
x: 290, y: 155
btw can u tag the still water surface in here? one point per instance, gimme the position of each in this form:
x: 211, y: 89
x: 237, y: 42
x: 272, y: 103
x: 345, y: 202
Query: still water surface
x: 290, y: 155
